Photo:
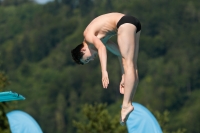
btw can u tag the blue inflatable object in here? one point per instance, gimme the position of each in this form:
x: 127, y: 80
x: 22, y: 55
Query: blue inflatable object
x: 10, y: 96
x: 141, y: 120
x: 21, y: 122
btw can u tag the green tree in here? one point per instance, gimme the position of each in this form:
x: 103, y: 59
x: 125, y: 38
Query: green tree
x: 98, y: 120
x: 164, y: 121
x: 4, y: 125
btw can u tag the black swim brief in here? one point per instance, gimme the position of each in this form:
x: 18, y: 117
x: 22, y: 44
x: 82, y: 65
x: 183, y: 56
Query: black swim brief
x: 129, y: 19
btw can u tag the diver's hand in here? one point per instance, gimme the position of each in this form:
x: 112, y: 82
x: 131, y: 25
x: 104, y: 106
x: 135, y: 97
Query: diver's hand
x: 105, y: 79
x: 121, y: 85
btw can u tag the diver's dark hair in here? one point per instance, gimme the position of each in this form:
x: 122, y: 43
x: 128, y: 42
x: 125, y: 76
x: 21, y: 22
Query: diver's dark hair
x: 77, y: 54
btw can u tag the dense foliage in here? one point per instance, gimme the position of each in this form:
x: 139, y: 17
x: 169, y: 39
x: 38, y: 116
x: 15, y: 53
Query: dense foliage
x: 4, y: 125
x: 35, y: 44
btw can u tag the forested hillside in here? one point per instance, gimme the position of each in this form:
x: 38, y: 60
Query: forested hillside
x: 35, y: 45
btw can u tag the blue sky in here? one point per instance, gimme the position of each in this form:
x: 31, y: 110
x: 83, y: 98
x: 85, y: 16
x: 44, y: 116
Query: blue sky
x: 43, y: 1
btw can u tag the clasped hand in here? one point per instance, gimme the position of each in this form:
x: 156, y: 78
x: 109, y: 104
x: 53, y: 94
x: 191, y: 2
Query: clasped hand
x: 105, y: 79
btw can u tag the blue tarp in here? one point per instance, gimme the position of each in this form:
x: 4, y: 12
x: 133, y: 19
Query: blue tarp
x: 141, y: 120
x: 21, y: 122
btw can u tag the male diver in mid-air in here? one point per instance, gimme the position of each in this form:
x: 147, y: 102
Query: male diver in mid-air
x: 96, y: 41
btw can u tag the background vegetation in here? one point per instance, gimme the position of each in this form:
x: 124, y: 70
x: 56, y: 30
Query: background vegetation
x: 35, y: 44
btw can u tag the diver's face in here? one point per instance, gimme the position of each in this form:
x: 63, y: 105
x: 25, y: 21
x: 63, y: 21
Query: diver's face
x: 89, y: 55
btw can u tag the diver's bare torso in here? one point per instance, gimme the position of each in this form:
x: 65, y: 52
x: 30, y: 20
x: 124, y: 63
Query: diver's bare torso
x: 104, y: 24
x: 104, y: 27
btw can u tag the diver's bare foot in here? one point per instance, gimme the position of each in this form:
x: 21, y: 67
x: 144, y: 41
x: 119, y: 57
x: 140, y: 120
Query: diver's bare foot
x: 125, y: 113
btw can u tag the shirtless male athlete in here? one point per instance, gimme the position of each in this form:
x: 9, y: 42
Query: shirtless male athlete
x: 96, y: 41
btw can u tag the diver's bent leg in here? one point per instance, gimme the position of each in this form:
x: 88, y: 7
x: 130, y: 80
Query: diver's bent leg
x: 127, y: 45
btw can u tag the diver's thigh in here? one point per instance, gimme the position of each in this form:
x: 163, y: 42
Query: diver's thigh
x: 127, y: 40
